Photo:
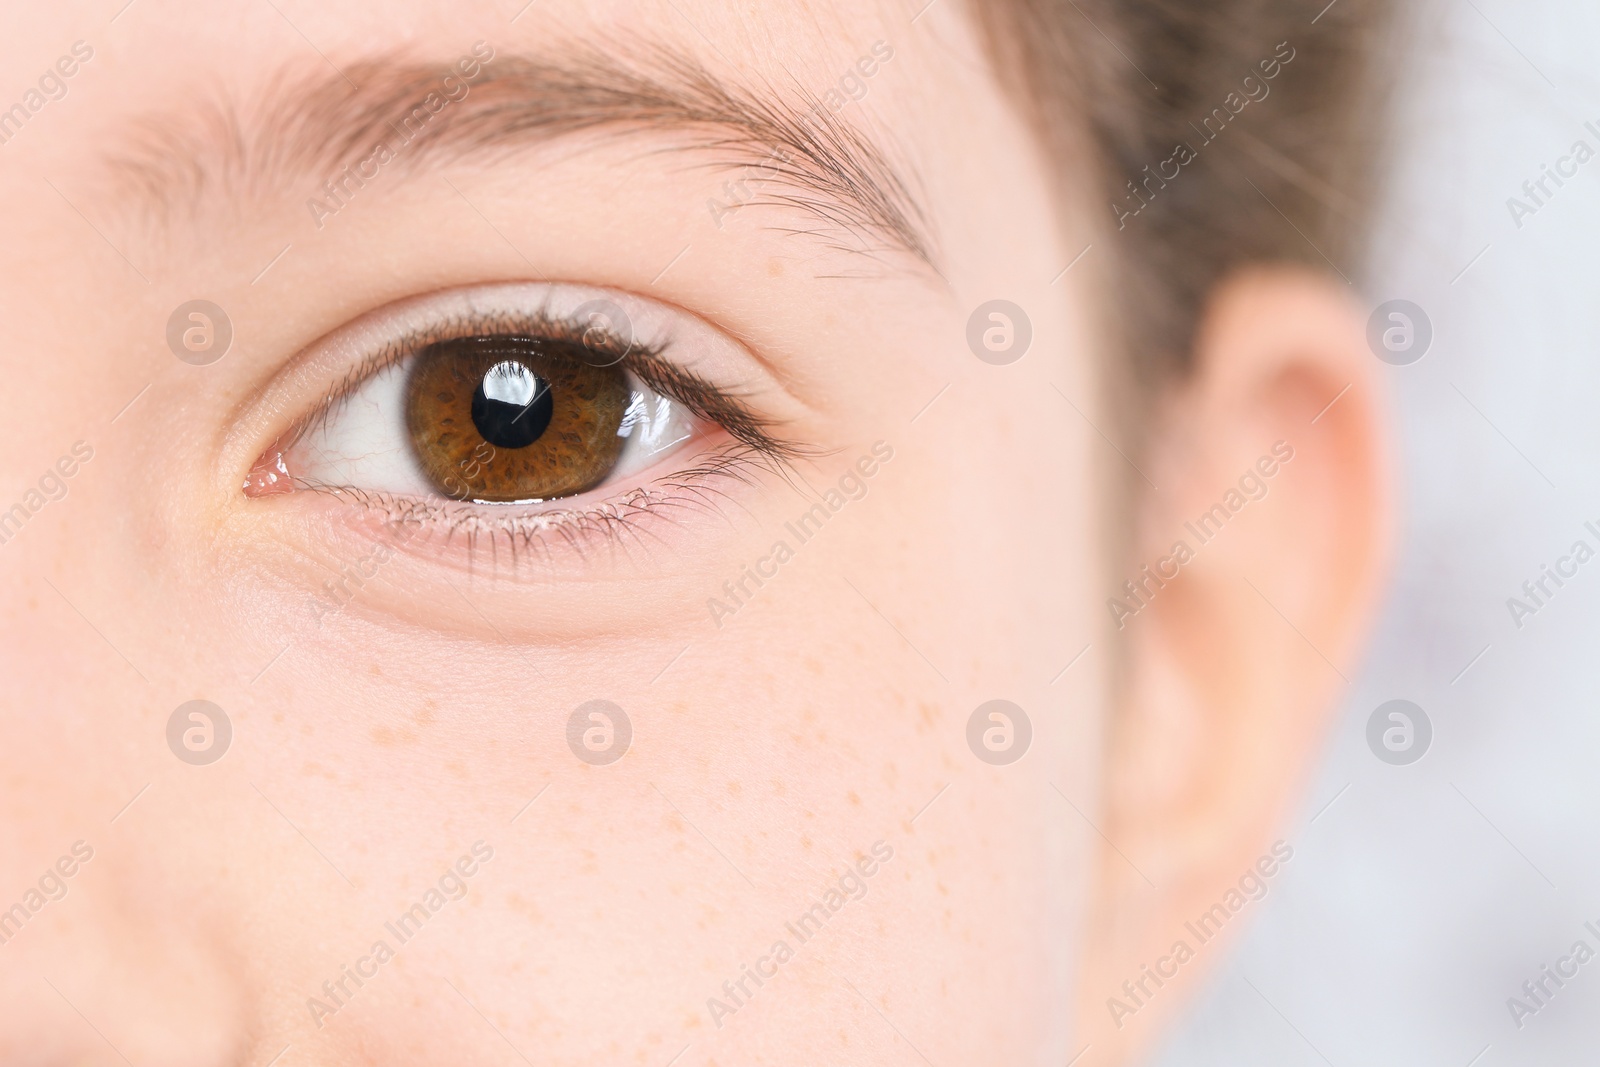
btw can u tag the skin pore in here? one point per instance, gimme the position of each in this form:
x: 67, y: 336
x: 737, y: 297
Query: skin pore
x: 774, y: 748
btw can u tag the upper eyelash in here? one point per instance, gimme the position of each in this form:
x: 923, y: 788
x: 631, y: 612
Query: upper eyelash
x: 703, y: 398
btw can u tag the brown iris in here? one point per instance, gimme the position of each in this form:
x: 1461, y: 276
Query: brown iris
x: 514, y: 418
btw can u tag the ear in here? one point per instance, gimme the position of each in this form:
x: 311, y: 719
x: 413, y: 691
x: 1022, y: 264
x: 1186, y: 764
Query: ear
x: 1259, y: 560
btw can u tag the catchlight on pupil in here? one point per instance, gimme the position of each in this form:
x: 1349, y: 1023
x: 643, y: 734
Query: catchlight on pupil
x: 512, y: 405
x: 514, y: 418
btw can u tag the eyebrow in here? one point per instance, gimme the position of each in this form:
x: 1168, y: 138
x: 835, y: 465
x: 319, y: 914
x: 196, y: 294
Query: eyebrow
x: 789, y: 148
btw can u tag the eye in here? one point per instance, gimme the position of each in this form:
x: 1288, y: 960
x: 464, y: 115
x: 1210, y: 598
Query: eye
x: 509, y: 397
x: 490, y: 419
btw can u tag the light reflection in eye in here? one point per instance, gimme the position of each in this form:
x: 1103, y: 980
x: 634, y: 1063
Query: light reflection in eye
x: 512, y: 406
x: 653, y: 418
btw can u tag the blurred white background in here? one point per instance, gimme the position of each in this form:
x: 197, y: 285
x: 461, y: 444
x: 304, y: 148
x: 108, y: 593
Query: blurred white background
x: 1423, y: 896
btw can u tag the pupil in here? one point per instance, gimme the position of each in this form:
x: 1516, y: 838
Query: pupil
x: 512, y: 405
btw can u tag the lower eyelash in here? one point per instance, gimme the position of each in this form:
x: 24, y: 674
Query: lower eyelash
x: 493, y: 527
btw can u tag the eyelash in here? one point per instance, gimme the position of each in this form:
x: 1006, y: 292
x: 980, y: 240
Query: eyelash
x: 755, y: 447
x: 607, y: 522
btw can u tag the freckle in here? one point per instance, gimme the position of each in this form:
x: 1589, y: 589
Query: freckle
x: 330, y: 773
x: 735, y: 788
x: 774, y: 267
x: 425, y: 715
x: 813, y: 665
x: 778, y: 788
x: 377, y: 671
x: 382, y: 735
x: 854, y: 799
x: 805, y: 843
x: 517, y: 903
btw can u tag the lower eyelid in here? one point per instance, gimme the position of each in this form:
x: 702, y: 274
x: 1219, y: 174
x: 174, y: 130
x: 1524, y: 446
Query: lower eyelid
x: 503, y: 574
x: 506, y: 539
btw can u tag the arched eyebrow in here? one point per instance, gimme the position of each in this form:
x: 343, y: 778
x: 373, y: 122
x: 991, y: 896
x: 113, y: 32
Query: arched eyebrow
x: 788, y: 148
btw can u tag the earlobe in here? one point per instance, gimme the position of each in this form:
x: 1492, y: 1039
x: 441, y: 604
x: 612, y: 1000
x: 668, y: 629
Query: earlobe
x: 1259, y: 562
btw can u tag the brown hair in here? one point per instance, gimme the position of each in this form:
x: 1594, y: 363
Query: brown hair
x: 1286, y: 177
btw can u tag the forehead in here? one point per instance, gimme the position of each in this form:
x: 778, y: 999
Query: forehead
x: 846, y: 101
x: 181, y: 41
